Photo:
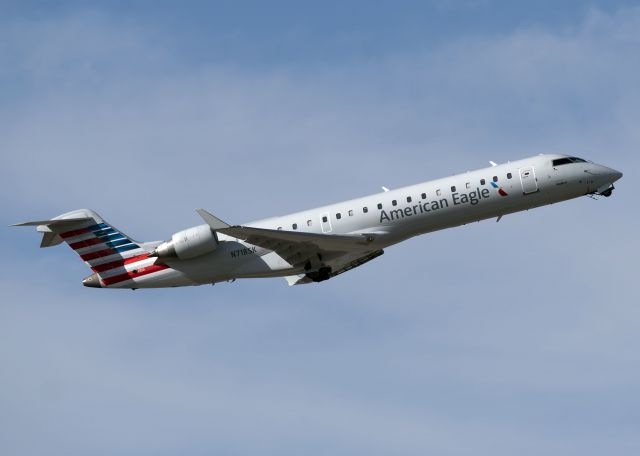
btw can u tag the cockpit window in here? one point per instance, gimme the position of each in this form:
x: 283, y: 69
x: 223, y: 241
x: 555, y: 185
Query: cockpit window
x: 561, y: 161
x: 567, y: 160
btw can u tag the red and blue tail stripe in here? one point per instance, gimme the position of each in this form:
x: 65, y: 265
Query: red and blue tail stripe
x: 97, y: 241
x: 114, y: 256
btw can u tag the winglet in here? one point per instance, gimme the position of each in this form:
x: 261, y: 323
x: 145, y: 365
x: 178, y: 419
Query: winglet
x: 214, y: 222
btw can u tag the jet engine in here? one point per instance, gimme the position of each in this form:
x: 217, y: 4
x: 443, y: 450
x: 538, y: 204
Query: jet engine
x: 188, y: 243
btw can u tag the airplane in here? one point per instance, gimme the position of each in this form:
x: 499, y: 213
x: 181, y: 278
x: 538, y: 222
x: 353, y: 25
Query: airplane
x: 318, y: 244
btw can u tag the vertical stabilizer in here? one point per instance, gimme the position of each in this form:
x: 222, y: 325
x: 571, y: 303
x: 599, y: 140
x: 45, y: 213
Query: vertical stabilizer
x: 103, y: 248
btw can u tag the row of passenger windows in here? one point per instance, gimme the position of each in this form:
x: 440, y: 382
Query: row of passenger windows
x: 365, y: 209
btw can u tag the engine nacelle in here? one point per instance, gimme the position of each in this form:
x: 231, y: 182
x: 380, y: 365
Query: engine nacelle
x: 188, y: 243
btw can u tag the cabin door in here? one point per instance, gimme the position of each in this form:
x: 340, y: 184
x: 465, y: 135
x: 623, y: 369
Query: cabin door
x: 528, y: 180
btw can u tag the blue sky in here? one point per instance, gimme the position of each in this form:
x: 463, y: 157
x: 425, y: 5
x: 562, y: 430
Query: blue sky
x: 518, y: 337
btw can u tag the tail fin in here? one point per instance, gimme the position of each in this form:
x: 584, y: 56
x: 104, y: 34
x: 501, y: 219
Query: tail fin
x: 100, y: 245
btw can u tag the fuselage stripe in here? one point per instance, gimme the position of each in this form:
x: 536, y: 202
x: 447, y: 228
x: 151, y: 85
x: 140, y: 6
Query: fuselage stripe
x: 73, y: 233
x: 86, y: 243
x: 119, y: 263
x: 126, y: 248
x: 114, y: 257
x: 134, y: 274
x: 121, y: 245
x: 98, y: 254
x: 93, y: 228
x: 104, y: 231
x: 112, y: 237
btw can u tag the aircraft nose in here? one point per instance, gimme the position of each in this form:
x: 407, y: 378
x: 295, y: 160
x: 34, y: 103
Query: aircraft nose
x: 615, y: 175
x: 609, y: 174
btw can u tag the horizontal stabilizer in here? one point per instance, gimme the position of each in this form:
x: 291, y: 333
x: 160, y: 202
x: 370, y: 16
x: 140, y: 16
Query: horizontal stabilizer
x: 59, y: 222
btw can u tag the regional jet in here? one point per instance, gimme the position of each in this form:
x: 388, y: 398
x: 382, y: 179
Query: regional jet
x: 317, y: 244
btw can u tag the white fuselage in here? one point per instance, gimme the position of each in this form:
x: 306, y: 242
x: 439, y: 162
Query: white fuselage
x: 396, y: 215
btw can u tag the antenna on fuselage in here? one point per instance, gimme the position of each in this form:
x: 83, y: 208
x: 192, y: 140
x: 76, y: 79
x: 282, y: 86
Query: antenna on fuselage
x: 493, y: 163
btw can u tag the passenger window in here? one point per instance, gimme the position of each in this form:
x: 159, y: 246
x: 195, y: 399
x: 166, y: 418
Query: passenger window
x: 438, y: 192
x: 495, y: 178
x: 379, y: 205
x: 468, y: 185
x: 453, y: 188
x: 338, y: 215
x: 350, y: 212
x: 482, y: 181
x: 424, y: 196
x: 365, y: 210
x: 509, y: 176
x: 394, y: 203
x: 408, y: 199
x: 295, y: 226
x: 308, y: 222
x: 324, y: 219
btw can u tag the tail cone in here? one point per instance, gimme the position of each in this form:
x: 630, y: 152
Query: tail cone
x: 92, y: 281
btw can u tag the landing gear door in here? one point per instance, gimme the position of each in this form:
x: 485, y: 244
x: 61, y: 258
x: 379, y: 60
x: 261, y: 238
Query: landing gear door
x: 325, y: 223
x: 528, y: 180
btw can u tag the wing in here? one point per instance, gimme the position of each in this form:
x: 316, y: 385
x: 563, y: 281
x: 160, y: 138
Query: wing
x: 298, y: 249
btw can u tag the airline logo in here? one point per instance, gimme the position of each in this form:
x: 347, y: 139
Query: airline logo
x: 111, y: 254
x: 471, y: 198
x: 501, y: 192
x: 106, y: 240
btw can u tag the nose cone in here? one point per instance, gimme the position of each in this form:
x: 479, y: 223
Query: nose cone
x: 615, y: 175
x: 92, y: 281
x: 608, y: 175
